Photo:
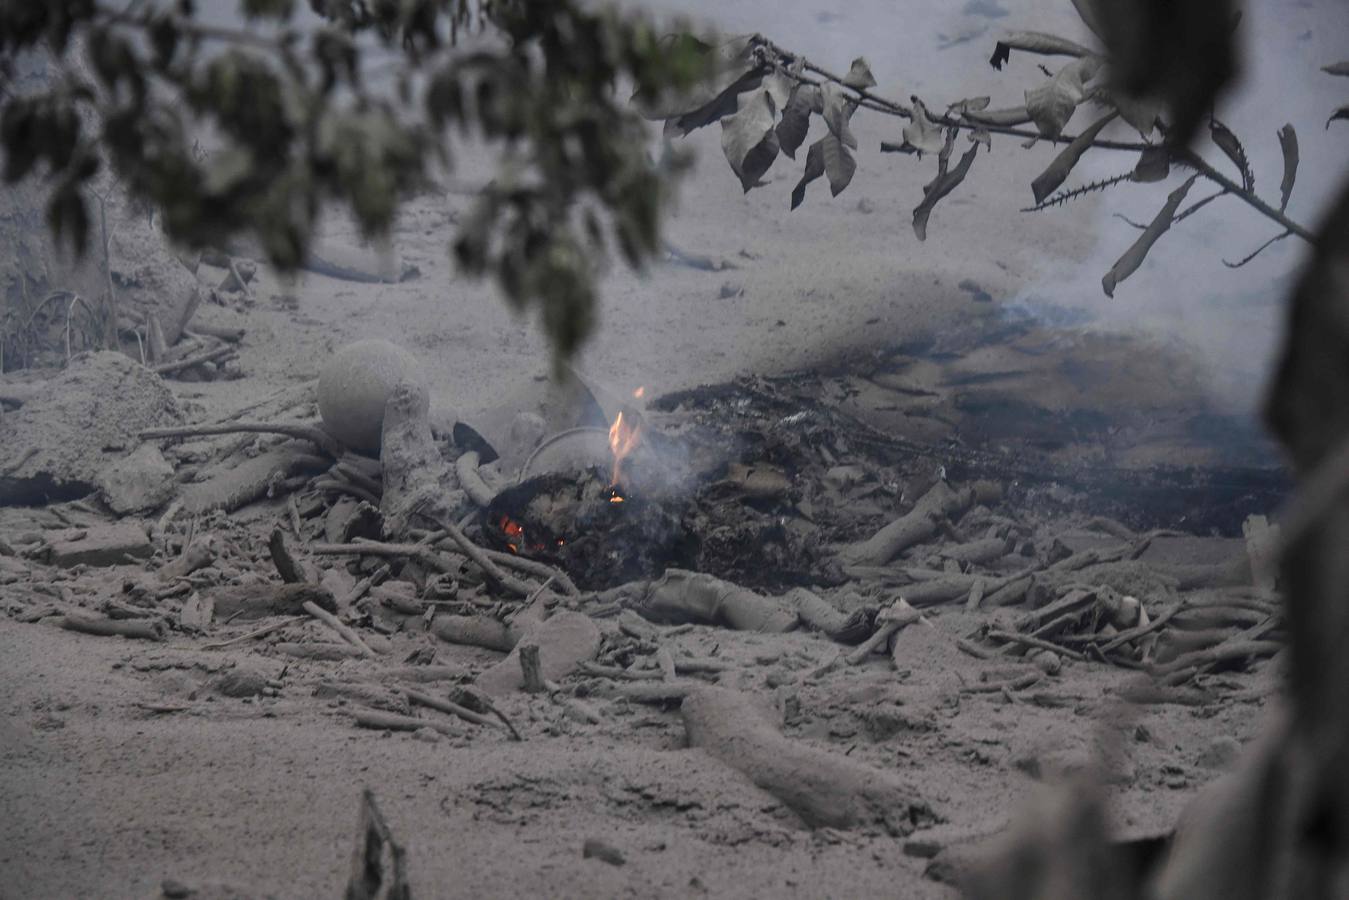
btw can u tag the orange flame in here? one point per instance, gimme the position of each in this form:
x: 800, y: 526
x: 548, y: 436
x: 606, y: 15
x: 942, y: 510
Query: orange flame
x: 623, y: 439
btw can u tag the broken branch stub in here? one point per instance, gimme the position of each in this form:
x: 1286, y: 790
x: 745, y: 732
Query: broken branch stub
x: 416, y: 477
x: 368, y: 879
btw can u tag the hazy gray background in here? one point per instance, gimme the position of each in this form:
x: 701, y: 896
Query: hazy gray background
x: 828, y: 268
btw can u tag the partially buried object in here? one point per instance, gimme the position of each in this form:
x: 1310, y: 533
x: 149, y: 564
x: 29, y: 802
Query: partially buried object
x: 355, y: 386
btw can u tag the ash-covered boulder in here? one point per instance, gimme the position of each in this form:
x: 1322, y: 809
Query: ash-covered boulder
x: 77, y: 426
x: 138, y: 482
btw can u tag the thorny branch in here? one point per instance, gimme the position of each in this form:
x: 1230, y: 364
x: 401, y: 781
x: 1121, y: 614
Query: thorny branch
x: 783, y: 60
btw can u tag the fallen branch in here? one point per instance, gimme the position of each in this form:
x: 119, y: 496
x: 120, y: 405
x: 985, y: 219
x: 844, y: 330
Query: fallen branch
x: 1025, y: 640
x: 422, y: 553
x: 257, y: 601
x: 212, y: 355
x: 254, y: 635
x: 475, y: 631
x: 535, y: 568
x: 1021, y: 682
x: 312, y: 433
x: 138, y: 629
x: 463, y: 712
x: 387, y: 721
x: 198, y: 555
x: 340, y: 486
x: 941, y: 503
x: 349, y: 471
x: 682, y: 596
x: 890, y: 621
x: 336, y: 625
x: 220, y: 332
x: 466, y: 469
x: 825, y: 789
x: 479, y: 557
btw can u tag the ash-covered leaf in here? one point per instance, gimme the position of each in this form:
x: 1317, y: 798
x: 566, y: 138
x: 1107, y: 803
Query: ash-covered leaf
x: 1052, y: 105
x: 945, y: 182
x: 1227, y: 142
x: 728, y: 63
x: 1341, y: 113
x: 1142, y: 114
x: 839, y: 164
x: 1057, y: 172
x: 921, y: 135
x: 814, y: 169
x: 859, y: 75
x: 838, y: 110
x: 724, y: 104
x: 779, y: 86
x: 749, y: 138
x: 1339, y: 68
x: 981, y: 135
x: 1154, y: 164
x: 1037, y: 42
x: 1288, y: 144
x: 1127, y: 264
x: 795, y: 122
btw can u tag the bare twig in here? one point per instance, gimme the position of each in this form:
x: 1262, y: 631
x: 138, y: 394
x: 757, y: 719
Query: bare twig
x: 1026, y: 640
x: 1257, y: 251
x: 479, y: 558
x: 215, y: 354
x: 254, y: 635
x: 463, y: 712
x: 312, y: 433
x: 336, y: 625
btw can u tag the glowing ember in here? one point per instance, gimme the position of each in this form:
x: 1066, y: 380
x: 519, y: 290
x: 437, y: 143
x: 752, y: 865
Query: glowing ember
x: 639, y: 393
x: 514, y: 531
x: 623, y: 439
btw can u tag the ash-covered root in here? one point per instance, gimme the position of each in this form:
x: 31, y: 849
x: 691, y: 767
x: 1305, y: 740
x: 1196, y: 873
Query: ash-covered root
x: 416, y: 477
x: 682, y: 596
x: 825, y: 789
x: 939, y: 504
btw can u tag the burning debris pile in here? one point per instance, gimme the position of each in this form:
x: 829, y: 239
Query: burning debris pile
x: 616, y: 563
